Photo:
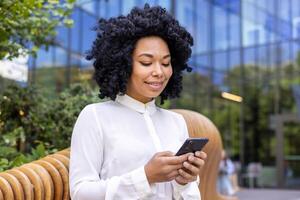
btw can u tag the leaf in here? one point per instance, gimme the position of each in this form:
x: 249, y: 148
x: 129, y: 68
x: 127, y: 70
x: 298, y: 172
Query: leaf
x: 40, y: 149
x: 3, y: 161
x: 53, y: 1
x: 19, y: 160
x: 68, y: 23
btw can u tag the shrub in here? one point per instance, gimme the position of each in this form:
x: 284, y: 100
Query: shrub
x: 32, y: 126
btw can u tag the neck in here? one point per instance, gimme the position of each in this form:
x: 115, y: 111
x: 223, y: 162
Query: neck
x: 142, y: 100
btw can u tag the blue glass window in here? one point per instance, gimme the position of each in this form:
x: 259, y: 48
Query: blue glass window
x: 45, y: 58
x: 250, y: 27
x: 113, y: 8
x: 234, y: 31
x: 218, y: 79
x: 220, y: 61
x: 249, y: 56
x: 234, y: 59
x: 61, y: 56
x: 273, y: 55
x: 262, y: 56
x: 234, y: 6
x: 202, y: 28
x: 202, y: 65
x: 220, y: 34
x: 88, y: 34
x: 184, y: 14
x: 62, y: 36
x: 295, y: 5
x: 163, y: 3
x: 127, y: 6
x: 76, y: 30
x: 88, y: 5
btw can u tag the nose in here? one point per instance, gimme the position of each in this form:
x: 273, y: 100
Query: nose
x: 157, y: 70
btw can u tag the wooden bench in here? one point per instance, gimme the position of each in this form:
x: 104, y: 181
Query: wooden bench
x: 47, y: 178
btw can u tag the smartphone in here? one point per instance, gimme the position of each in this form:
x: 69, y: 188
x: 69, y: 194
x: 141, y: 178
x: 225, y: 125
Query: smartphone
x: 192, y: 145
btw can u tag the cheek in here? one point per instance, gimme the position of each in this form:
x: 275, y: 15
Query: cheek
x: 139, y: 71
x: 169, y: 73
x: 138, y: 78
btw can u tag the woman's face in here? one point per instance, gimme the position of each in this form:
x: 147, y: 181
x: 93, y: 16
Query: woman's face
x: 151, y: 69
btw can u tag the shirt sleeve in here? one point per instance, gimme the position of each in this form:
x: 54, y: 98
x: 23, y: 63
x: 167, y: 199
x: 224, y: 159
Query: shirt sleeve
x: 191, y: 190
x: 86, y: 160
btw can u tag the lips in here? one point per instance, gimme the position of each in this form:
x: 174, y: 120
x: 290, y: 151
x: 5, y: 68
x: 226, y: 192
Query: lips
x: 155, y: 85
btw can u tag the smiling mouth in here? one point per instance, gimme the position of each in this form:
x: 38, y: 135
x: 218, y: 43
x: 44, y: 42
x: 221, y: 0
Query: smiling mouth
x: 155, y: 85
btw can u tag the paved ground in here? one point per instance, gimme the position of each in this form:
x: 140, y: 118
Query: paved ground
x: 268, y: 194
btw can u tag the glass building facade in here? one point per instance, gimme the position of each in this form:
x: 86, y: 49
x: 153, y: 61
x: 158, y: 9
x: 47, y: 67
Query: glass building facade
x: 246, y: 47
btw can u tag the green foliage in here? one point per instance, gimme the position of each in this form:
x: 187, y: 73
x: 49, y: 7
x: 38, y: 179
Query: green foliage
x: 18, y: 158
x: 32, y: 126
x: 27, y: 25
x: 63, y: 114
x: 21, y: 112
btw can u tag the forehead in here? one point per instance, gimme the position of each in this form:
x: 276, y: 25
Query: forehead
x: 151, y: 44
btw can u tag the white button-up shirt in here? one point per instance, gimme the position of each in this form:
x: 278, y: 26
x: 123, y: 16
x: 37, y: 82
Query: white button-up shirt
x: 111, y: 143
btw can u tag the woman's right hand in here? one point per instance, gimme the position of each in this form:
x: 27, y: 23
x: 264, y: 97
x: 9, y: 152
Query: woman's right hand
x: 164, y: 166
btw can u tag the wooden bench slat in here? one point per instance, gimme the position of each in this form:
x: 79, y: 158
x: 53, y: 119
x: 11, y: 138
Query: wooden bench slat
x: 25, y: 182
x: 63, y: 159
x: 64, y: 174
x: 15, y: 185
x: 6, y: 189
x: 1, y: 195
x: 46, y: 180
x: 65, y: 152
x: 38, y: 188
x: 55, y: 176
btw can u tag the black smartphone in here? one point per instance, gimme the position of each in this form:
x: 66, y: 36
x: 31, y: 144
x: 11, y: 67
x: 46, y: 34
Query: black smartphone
x: 192, y: 145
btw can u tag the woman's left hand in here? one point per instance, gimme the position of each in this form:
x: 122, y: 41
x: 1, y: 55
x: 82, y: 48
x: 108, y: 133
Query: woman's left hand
x: 191, y: 168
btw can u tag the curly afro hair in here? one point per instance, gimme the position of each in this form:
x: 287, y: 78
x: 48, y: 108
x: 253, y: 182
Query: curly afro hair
x: 116, y: 38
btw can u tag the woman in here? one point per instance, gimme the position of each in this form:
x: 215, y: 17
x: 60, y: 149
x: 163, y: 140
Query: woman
x: 226, y: 170
x: 124, y: 148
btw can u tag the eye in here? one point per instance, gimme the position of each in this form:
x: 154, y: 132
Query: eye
x: 166, y: 65
x: 145, y: 64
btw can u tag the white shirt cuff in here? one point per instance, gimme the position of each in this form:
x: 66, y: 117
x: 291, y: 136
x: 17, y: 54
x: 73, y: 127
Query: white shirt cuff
x: 187, y: 191
x: 141, y: 184
x: 178, y: 188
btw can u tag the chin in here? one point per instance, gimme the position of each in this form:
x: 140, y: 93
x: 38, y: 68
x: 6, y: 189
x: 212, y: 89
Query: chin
x: 154, y: 94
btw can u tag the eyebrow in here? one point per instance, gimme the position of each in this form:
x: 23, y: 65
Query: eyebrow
x: 151, y: 56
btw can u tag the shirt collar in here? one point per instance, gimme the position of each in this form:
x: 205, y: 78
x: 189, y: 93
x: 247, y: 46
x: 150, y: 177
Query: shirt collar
x: 136, y: 105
